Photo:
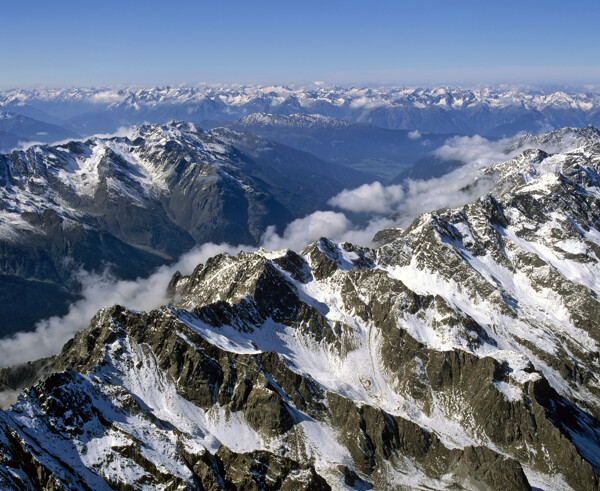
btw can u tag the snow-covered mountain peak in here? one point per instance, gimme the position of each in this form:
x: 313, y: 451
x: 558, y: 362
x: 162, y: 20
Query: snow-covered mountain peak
x: 172, y: 129
x: 578, y: 162
x: 489, y: 111
x: 462, y: 352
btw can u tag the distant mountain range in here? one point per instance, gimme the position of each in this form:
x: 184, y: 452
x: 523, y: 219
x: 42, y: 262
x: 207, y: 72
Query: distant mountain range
x: 377, y: 130
x: 492, y: 112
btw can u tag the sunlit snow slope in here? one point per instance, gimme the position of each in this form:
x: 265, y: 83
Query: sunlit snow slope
x: 464, y: 351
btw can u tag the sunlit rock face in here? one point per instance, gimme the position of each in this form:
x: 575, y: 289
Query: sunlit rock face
x: 461, y: 352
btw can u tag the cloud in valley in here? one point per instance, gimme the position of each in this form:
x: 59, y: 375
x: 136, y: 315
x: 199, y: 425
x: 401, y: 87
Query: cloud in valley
x: 475, y: 151
x: 98, y: 291
x: 369, y: 198
x: 305, y: 230
x: 402, y: 202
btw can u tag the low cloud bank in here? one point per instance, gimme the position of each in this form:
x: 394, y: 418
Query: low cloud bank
x: 306, y: 230
x: 369, y: 198
x: 333, y: 225
x: 476, y: 151
x: 101, y: 290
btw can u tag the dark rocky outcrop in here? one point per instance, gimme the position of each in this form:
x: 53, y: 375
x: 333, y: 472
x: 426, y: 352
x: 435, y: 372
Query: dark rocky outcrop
x: 131, y: 204
x: 460, y: 354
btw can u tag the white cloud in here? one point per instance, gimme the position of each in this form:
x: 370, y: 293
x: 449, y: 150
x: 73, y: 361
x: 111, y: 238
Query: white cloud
x: 443, y: 192
x: 414, y: 135
x: 476, y: 151
x: 8, y: 398
x: 370, y: 198
x: 479, y: 152
x: 363, y: 236
x: 98, y: 291
x: 335, y: 226
x: 305, y: 230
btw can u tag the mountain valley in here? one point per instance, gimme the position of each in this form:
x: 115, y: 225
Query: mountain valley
x: 461, y: 352
x: 135, y: 202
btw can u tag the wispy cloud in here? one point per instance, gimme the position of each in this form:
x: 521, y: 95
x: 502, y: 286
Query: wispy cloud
x: 101, y: 290
x: 305, y: 230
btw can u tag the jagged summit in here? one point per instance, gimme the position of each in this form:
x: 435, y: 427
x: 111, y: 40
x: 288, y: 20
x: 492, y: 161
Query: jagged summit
x: 141, y: 199
x: 464, y: 351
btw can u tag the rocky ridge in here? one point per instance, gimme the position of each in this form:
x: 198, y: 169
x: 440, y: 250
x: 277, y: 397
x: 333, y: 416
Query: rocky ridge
x: 462, y: 352
x: 141, y: 200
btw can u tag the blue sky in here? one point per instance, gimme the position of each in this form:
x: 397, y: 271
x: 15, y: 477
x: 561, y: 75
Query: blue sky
x: 66, y: 43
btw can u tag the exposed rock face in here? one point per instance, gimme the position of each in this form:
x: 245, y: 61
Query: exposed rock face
x: 461, y: 353
x: 147, y: 401
x: 134, y: 203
